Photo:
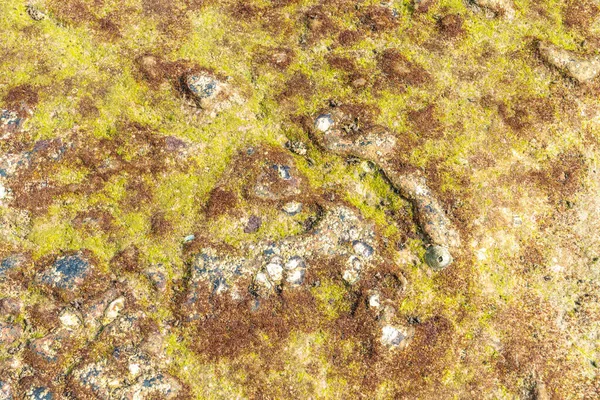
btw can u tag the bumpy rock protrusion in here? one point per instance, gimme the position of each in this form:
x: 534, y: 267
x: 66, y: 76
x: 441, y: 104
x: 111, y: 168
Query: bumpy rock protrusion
x: 581, y: 69
x: 337, y: 132
x: 212, y: 93
x: 501, y: 8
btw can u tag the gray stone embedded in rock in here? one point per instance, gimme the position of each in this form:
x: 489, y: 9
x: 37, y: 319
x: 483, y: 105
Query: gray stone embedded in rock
x: 295, y: 271
x: 362, y: 249
x: 67, y: 272
x: 438, y: 257
x: 296, y: 147
x: 9, y: 122
x: 70, y: 318
x: 292, y: 208
x: 253, y: 225
x: 202, y: 85
x: 35, y: 13
x: 283, y: 171
x: 296, y: 276
x: 40, y: 393
x: 352, y: 273
x: 391, y: 336
x: 275, y: 270
x: 295, y: 262
x: 324, y: 122
x: 6, y: 391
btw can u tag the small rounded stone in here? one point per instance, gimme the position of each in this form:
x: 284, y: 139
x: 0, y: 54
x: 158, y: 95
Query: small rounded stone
x: 362, y: 249
x: 283, y: 171
x: 253, y: 225
x: 295, y: 262
x: 262, y: 280
x: 69, y: 318
x: 275, y: 271
x: 391, y: 336
x: 188, y: 238
x: 324, y: 122
x: 438, y: 257
x: 375, y: 300
x: 114, y: 309
x: 292, y: 208
x: 134, y: 369
x: 202, y: 86
x: 296, y: 276
x: 35, y: 14
x: 352, y: 274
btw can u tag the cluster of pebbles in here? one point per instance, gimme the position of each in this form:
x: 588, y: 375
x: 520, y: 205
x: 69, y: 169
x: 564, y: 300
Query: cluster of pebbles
x: 51, y: 353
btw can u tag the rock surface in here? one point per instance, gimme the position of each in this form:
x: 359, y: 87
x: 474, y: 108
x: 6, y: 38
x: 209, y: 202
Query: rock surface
x: 299, y: 199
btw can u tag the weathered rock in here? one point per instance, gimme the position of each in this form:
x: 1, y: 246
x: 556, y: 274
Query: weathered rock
x: 6, y: 391
x: 362, y: 249
x: 9, y: 263
x: 203, y: 86
x: 297, y: 147
x: 157, y: 274
x: 295, y: 269
x: 396, y: 337
x: 342, y: 132
x: 376, y: 144
x: 10, y: 333
x: 40, y: 393
x: 10, y: 122
x: 352, y: 273
x: 295, y: 277
x: 51, y: 353
x: 275, y: 270
x: 35, y: 13
x: 126, y: 373
x: 10, y: 306
x: 577, y: 67
x: 262, y: 284
x: 324, y: 122
x: 113, y: 310
x: 276, y: 182
x: 70, y: 318
x: 3, y: 191
x: 374, y: 300
x: 210, y: 92
x: 217, y: 271
x: 157, y: 385
x: 292, y: 208
x: 501, y: 8
x: 67, y: 272
x: 253, y: 225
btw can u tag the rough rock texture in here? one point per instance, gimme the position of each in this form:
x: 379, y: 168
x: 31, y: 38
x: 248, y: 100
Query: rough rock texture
x: 501, y: 8
x: 580, y: 68
x: 287, y: 199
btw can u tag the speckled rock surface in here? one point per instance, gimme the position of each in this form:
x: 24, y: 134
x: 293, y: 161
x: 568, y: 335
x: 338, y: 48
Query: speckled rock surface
x: 299, y: 199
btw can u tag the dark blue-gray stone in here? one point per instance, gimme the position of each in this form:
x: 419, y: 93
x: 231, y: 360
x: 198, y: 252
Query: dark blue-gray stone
x: 66, y: 271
